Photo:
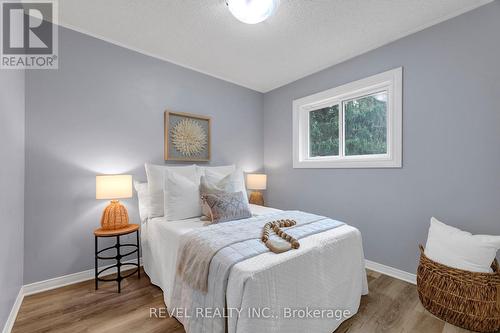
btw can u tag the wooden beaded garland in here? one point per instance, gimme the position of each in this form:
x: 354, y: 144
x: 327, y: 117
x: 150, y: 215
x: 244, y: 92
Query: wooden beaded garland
x: 276, y: 227
x: 265, y: 233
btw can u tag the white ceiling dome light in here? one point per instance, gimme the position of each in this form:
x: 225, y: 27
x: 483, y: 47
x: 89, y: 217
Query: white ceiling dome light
x: 252, y: 11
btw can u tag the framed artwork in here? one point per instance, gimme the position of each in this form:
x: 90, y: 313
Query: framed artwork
x: 187, y: 137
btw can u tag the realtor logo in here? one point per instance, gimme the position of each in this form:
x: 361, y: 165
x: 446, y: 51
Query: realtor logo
x: 29, y: 36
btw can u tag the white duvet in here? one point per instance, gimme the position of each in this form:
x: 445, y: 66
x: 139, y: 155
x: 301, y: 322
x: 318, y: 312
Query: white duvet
x: 306, y: 290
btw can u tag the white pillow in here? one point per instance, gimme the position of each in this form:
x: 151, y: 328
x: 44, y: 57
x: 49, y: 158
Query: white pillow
x: 156, y: 182
x: 182, y: 197
x: 223, y: 170
x: 460, y: 249
x: 232, y: 182
x: 143, y: 198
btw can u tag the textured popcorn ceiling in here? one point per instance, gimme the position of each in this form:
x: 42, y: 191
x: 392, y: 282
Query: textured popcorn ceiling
x: 304, y: 36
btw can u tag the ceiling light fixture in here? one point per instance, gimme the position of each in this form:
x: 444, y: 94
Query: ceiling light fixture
x: 252, y: 11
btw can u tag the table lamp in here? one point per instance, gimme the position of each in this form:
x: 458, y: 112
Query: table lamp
x: 257, y: 183
x: 114, y: 187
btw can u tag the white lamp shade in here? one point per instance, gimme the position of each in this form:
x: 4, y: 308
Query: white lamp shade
x: 256, y: 181
x: 113, y: 187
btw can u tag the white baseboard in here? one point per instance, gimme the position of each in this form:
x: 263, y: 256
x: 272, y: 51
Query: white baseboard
x: 391, y: 271
x: 11, y: 319
x: 38, y: 287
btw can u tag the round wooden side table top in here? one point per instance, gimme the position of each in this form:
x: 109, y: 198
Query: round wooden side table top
x: 122, y: 231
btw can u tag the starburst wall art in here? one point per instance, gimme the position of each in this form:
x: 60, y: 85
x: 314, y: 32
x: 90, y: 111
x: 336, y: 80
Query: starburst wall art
x: 187, y: 137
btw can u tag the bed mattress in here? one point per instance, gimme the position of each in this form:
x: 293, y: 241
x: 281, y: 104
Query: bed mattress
x: 325, y: 273
x: 160, y: 244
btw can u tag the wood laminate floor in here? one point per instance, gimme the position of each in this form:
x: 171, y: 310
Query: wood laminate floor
x: 391, y: 306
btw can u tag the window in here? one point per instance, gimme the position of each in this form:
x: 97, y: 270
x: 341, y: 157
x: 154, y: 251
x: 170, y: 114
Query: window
x: 357, y: 125
x: 324, y: 132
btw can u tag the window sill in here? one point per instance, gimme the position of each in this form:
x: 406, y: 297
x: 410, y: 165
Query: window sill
x: 351, y: 163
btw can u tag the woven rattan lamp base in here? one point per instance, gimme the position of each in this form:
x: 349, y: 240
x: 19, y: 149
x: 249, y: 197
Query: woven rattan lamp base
x: 115, y: 216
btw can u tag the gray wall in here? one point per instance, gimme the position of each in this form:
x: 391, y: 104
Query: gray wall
x: 451, y: 140
x: 102, y: 112
x: 11, y: 188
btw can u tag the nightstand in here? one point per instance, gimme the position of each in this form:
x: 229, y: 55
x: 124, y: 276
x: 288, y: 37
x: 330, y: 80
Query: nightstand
x: 118, y: 257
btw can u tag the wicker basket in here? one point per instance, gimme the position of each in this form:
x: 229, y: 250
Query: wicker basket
x: 466, y: 299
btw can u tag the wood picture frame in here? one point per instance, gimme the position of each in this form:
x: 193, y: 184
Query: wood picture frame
x: 170, y: 153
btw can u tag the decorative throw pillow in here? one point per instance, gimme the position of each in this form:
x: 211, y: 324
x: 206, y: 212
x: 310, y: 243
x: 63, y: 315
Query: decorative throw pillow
x: 182, y: 197
x: 209, y: 188
x: 156, y: 183
x: 460, y: 249
x: 227, y: 206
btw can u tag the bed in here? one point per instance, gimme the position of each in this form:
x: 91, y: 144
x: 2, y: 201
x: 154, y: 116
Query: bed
x: 311, y: 289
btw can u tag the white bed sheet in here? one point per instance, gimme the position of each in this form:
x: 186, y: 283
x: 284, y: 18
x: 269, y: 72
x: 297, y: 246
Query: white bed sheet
x: 330, y: 276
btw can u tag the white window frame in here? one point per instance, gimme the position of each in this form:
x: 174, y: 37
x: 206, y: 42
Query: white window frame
x: 390, y: 81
